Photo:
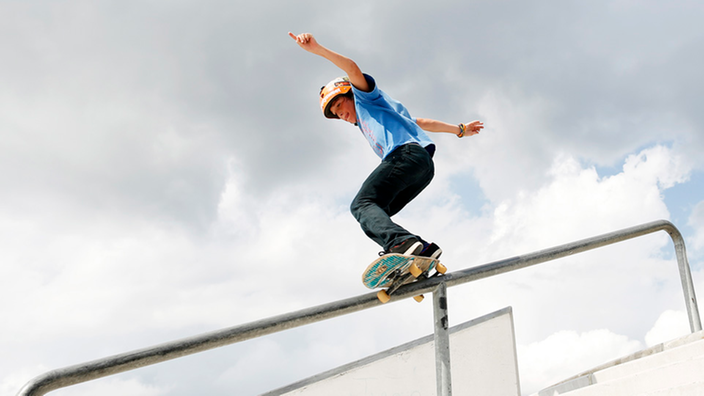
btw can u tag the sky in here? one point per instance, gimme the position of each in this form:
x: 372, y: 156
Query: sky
x: 165, y: 171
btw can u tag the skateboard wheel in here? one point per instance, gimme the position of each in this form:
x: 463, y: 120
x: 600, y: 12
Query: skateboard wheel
x: 441, y: 268
x: 419, y: 298
x: 383, y: 296
x: 414, y: 270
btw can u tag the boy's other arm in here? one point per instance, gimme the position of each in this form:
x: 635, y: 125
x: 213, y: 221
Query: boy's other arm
x: 308, y: 43
x: 431, y: 125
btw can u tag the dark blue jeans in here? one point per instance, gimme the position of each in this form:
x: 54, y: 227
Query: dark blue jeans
x: 400, y: 177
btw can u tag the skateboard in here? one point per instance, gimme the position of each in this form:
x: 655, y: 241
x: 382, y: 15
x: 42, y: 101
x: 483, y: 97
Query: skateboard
x: 391, y: 271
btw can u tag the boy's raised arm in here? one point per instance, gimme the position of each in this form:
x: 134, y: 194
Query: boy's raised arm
x: 308, y: 43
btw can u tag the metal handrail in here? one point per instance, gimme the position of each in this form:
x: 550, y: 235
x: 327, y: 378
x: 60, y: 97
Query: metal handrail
x: 83, y: 372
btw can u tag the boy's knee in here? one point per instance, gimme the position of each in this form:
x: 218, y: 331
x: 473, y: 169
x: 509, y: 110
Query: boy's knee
x: 358, y: 205
x: 355, y: 207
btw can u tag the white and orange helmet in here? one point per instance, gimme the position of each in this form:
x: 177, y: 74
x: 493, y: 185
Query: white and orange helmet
x: 336, y: 87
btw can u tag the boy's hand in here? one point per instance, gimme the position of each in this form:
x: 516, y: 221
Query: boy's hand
x: 306, y: 41
x: 473, y: 128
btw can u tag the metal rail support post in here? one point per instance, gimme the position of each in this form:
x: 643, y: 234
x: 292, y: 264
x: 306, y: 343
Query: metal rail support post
x: 690, y: 299
x: 443, y: 377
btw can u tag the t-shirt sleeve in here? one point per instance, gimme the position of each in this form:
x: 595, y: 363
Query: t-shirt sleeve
x: 370, y: 96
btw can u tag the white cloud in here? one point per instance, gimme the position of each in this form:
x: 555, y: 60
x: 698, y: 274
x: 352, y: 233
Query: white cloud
x: 111, y: 386
x: 670, y: 325
x: 577, y: 203
x: 567, y: 353
x: 600, y: 288
x: 510, y: 154
x: 696, y: 221
x: 658, y: 166
x: 14, y: 379
x: 115, y: 387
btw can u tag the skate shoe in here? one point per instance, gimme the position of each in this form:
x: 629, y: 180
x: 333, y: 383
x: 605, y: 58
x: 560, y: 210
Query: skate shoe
x: 409, y: 247
x: 431, y: 250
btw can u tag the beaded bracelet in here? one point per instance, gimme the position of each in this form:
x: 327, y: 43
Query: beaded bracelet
x: 462, y: 129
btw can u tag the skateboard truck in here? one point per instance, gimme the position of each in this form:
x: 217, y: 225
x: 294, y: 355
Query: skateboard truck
x: 414, y: 272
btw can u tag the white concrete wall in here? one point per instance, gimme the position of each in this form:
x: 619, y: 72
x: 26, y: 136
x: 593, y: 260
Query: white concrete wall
x: 483, y: 358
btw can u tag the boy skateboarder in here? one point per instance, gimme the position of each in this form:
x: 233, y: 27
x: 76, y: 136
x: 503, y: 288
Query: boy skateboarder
x: 398, y: 139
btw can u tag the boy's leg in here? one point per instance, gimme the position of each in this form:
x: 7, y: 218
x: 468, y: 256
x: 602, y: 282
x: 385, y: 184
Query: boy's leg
x: 400, y: 177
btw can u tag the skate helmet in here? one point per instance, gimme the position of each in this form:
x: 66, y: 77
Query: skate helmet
x: 335, y: 88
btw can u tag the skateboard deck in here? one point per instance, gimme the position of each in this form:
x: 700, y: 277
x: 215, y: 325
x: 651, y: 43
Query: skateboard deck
x: 391, y: 271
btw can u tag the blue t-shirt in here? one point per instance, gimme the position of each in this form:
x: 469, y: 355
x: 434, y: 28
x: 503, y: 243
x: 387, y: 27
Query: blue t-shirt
x: 385, y: 122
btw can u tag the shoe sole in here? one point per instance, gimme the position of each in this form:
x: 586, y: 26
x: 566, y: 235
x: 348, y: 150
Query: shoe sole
x: 436, y: 254
x: 415, y: 249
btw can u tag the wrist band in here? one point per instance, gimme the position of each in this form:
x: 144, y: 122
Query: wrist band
x: 462, y: 129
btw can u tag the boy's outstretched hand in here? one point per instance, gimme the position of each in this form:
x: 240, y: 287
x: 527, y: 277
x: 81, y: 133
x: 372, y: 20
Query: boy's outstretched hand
x: 473, y: 128
x: 306, y: 41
